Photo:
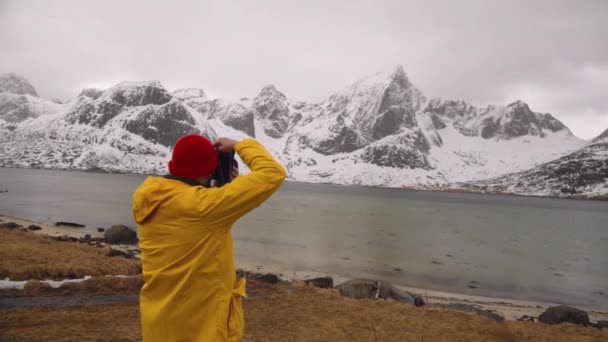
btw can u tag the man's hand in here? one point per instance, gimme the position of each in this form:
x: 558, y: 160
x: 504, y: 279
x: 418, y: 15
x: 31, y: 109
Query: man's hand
x: 225, y: 144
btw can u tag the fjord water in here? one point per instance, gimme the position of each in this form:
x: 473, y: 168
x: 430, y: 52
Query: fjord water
x: 511, y: 247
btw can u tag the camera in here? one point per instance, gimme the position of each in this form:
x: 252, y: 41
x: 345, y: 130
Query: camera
x: 222, y: 174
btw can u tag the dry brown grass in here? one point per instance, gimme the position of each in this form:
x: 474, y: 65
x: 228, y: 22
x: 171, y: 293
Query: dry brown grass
x: 83, y: 323
x: 283, y: 312
x: 89, y: 287
x: 309, y: 314
x: 26, y: 256
x: 296, y: 313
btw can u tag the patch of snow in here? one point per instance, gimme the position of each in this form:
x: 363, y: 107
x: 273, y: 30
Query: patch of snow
x: 20, y: 285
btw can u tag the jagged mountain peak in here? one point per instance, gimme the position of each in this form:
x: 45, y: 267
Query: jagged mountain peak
x: 518, y: 104
x: 92, y: 93
x: 138, y: 84
x: 367, y: 133
x: 271, y: 106
x: 271, y: 91
x: 400, y: 77
x: 602, y: 137
x: 189, y: 93
x: 137, y: 93
x: 378, y: 82
x: 16, y: 84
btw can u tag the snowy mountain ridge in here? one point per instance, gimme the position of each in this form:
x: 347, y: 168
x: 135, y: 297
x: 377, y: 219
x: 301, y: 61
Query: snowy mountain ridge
x: 380, y: 131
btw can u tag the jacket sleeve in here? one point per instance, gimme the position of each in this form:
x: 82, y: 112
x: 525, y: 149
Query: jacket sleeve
x: 221, y: 207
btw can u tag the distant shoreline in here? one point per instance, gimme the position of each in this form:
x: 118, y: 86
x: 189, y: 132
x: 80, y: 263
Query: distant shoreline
x: 444, y: 189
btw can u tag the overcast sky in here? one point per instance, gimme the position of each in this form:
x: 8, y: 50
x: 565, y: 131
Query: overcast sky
x: 552, y: 54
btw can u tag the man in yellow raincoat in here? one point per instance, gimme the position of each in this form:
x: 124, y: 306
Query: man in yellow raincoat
x: 190, y: 291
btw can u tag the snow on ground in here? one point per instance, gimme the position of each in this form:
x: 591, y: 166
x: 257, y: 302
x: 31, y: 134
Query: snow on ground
x: 19, y: 285
x: 463, y: 158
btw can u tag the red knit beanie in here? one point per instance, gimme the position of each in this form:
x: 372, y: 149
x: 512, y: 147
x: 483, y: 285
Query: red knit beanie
x: 193, y: 156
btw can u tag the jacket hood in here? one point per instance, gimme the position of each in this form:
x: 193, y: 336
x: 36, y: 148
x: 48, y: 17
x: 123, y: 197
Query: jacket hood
x: 153, y: 192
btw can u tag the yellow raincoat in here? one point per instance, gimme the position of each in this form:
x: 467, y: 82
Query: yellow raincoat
x: 190, y: 291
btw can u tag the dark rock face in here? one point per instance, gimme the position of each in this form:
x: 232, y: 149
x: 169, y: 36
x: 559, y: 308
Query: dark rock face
x: 437, y: 122
x: 396, y: 108
x: 236, y: 116
x: 450, y: 108
x: 322, y: 282
x: 91, y: 93
x: 153, y: 94
x: 372, y: 289
x: 163, y: 125
x: 94, y: 113
x: 271, y: 106
x: 366, y: 113
x: 490, y: 128
x: 521, y: 121
x: 514, y: 121
x: 407, y: 151
x: 564, y: 314
x: 547, y: 121
x: 120, y: 234
x: 347, y: 140
x: 388, y: 122
x: 97, y: 111
x: 15, y: 108
x: 16, y: 84
x: 242, y: 123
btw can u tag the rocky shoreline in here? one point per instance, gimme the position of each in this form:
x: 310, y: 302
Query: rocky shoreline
x: 121, y: 241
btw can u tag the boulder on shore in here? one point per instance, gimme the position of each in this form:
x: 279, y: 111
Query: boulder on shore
x: 34, y: 227
x: 372, y: 289
x: 564, y: 314
x: 266, y: 278
x: 117, y: 252
x: 10, y: 225
x: 601, y: 325
x: 69, y: 224
x: 269, y: 278
x: 120, y: 234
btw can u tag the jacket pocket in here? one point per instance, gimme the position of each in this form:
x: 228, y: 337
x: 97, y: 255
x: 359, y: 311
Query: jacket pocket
x: 236, y: 321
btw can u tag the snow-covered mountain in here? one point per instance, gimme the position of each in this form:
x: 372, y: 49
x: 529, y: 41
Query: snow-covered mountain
x: 16, y: 84
x: 380, y: 131
x: 580, y: 173
x: 602, y: 137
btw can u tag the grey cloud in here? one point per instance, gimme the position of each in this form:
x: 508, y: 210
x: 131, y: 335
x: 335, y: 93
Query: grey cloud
x: 481, y: 51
